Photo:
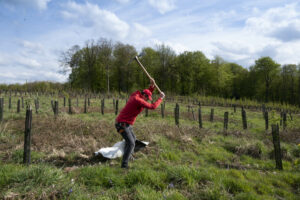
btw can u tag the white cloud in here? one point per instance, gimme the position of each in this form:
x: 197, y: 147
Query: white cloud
x: 31, y: 47
x: 100, y: 20
x: 31, y: 61
x: 220, y: 20
x: 139, y: 31
x: 287, y: 33
x: 275, y: 21
x: 243, y: 47
x: 176, y: 46
x: 16, y: 72
x: 122, y: 1
x: 28, y: 62
x: 163, y: 6
x: 91, y: 22
x: 266, y: 33
x: 38, y: 4
x: 239, y: 33
x: 8, y: 75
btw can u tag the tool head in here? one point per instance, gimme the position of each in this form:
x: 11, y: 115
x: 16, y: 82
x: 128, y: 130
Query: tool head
x: 141, y: 54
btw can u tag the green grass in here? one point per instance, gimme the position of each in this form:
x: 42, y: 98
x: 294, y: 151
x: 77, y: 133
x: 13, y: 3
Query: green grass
x: 33, y: 180
x: 180, y: 163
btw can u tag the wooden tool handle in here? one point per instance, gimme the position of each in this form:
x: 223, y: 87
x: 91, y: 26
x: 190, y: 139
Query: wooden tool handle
x: 138, y: 61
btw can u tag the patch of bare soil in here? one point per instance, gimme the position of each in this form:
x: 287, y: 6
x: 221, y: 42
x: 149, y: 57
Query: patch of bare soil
x: 290, y: 136
x: 71, y: 164
x: 68, y: 134
x: 191, y: 117
x: 68, y: 141
x: 11, y: 134
x: 236, y: 133
x: 232, y: 165
x: 186, y: 136
x: 90, y: 109
x: 62, y: 137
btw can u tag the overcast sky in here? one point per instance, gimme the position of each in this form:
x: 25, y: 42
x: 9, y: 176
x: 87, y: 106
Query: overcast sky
x: 33, y: 33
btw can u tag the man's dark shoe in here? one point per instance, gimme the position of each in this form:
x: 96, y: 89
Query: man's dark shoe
x: 124, y: 166
x: 131, y: 158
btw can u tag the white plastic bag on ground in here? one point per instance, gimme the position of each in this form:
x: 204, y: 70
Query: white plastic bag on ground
x: 117, y: 150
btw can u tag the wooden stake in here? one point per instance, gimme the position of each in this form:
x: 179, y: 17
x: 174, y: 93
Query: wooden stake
x: 200, y: 117
x: 70, y: 106
x: 117, y: 107
x: 1, y: 108
x: 85, y: 106
x: 162, y: 109
x: 18, y: 106
x: 211, y: 115
x: 9, y: 103
x: 284, y: 121
x: 277, y: 150
x: 177, y: 114
x: 266, y: 120
x: 102, y: 106
x: 56, y: 108
x: 244, y: 118
x: 27, y: 138
x: 225, y: 121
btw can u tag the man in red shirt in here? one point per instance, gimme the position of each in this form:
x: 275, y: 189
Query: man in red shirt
x: 135, y: 105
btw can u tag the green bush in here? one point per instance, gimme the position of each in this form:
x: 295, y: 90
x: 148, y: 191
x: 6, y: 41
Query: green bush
x: 285, y: 154
x: 251, y: 149
x: 296, y: 151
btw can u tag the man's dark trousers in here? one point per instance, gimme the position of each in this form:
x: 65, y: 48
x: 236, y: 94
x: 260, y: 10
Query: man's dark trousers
x: 129, y: 138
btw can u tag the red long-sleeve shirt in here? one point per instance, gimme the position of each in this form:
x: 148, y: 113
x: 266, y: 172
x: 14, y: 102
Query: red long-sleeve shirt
x: 135, y: 106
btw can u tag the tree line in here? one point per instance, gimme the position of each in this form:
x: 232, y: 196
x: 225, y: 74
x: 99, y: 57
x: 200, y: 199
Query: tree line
x: 106, y: 66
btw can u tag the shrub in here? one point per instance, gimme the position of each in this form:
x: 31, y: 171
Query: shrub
x: 296, y: 151
x: 253, y: 150
x: 284, y: 154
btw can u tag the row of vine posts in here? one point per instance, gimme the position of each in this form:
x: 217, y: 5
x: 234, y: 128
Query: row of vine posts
x: 55, y: 108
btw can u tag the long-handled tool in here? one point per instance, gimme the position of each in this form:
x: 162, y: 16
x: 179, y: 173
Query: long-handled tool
x: 138, y: 61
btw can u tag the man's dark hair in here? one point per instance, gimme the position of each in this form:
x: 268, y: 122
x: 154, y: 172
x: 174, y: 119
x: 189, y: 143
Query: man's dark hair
x: 143, y: 93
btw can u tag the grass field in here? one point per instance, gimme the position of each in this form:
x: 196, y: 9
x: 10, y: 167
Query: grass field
x: 182, y: 162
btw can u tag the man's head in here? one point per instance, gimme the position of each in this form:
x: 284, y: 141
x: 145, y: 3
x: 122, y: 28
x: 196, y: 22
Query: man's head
x: 147, y: 94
